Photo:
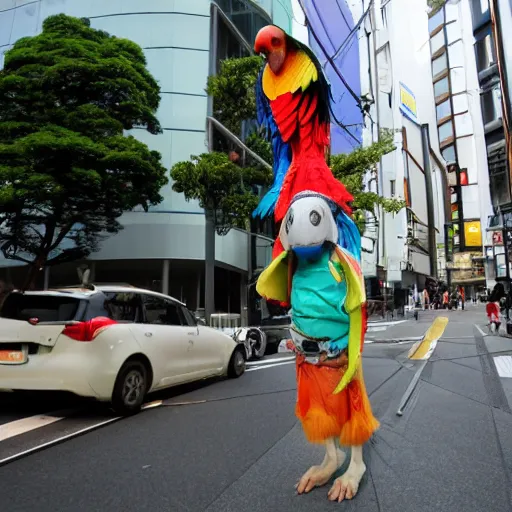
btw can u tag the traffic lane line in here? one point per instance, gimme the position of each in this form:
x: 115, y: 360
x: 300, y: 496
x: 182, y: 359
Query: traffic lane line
x: 273, y: 365
x: 24, y: 425
x: 269, y: 361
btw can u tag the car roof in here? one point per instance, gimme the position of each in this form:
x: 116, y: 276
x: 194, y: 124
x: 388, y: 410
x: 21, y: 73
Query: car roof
x: 81, y: 292
x: 134, y: 289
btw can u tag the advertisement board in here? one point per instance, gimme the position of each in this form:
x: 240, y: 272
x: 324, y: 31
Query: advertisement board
x: 473, y: 233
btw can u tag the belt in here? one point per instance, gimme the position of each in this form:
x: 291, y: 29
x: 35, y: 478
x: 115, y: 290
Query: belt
x: 317, y: 351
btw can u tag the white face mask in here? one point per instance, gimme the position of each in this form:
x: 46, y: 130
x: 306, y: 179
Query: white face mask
x: 308, y: 222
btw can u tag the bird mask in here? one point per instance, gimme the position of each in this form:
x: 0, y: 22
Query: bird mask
x: 308, y: 225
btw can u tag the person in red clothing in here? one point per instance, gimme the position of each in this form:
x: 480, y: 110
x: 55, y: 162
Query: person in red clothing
x: 493, y: 314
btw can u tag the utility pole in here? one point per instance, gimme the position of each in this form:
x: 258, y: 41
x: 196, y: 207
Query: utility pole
x: 425, y: 139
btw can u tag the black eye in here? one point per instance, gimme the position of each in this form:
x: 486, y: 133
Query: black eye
x: 276, y: 41
x: 315, y: 218
x: 289, y: 221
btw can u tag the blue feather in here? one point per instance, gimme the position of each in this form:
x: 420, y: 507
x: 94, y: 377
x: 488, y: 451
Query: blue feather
x: 281, y: 151
x: 349, y: 237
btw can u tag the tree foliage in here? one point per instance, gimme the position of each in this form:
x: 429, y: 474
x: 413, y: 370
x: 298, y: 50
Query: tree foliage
x: 351, y: 169
x: 232, y: 90
x: 220, y: 185
x: 67, y: 172
x: 435, y: 5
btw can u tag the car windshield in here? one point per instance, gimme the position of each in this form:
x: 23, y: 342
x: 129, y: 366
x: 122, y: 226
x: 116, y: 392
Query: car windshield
x: 47, y: 308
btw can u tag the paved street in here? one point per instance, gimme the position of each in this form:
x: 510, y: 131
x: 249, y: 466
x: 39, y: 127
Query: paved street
x: 235, y: 445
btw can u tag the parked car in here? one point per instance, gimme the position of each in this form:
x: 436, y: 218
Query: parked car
x: 112, y: 343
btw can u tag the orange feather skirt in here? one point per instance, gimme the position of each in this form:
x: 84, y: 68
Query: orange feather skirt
x: 347, y: 416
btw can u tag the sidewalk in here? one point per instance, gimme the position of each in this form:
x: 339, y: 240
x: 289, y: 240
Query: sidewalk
x: 451, y: 451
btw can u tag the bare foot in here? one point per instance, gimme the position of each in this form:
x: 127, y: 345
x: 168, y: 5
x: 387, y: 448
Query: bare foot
x: 316, y: 476
x: 346, y: 486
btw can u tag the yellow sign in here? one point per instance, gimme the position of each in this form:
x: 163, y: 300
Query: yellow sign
x: 408, y: 102
x: 473, y: 234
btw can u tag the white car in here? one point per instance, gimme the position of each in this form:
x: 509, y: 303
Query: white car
x: 112, y: 343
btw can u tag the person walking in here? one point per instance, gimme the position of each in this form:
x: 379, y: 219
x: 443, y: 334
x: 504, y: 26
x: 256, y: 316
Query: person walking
x: 446, y: 299
x: 462, y: 296
x: 426, y: 298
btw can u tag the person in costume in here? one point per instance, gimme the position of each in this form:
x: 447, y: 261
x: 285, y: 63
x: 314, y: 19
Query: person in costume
x: 315, y: 265
x: 292, y: 97
x: 319, y: 274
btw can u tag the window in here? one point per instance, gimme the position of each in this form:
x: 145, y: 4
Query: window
x: 123, y: 307
x: 441, y: 87
x: 189, y: 317
x: 480, y: 11
x: 491, y: 105
x: 436, y: 20
x: 392, y: 187
x: 47, y: 308
x: 445, y: 131
x: 449, y: 153
x: 443, y: 110
x: 485, y: 52
x: 437, y: 42
x: 440, y: 64
x: 246, y: 17
x: 162, y: 311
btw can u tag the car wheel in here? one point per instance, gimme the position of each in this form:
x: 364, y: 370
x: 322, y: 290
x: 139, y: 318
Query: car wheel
x: 130, y: 388
x: 258, y: 342
x: 236, y: 366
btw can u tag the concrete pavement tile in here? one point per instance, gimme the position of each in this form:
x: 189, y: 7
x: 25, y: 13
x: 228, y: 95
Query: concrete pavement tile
x: 269, y: 484
x: 442, y: 418
x: 503, y: 423
x: 470, y: 362
x: 455, y: 378
x: 498, y: 343
x: 377, y: 371
x: 451, y: 348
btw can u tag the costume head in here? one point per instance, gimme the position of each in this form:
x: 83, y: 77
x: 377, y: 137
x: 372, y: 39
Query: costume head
x: 314, y: 221
x: 308, y: 225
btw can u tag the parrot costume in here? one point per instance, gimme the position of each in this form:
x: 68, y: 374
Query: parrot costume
x: 315, y: 266
x: 292, y: 97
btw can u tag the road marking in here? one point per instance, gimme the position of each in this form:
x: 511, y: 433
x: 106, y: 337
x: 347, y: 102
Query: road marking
x: 264, y: 367
x: 424, y: 348
x: 504, y: 366
x: 57, y: 441
x: 480, y: 330
x: 267, y: 361
x: 24, y: 425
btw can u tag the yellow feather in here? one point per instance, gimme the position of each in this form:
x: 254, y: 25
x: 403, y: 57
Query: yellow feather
x: 297, y: 73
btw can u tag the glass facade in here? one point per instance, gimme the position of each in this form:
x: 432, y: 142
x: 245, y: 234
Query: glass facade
x: 247, y: 16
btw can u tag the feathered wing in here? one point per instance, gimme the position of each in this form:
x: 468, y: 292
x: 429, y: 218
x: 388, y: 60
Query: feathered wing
x: 281, y: 151
x: 299, y: 98
x: 355, y: 305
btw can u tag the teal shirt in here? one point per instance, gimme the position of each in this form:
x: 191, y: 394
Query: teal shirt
x: 317, y: 301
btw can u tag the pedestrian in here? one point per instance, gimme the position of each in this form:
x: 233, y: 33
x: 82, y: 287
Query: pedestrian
x: 426, y: 298
x: 462, y: 296
x: 446, y: 299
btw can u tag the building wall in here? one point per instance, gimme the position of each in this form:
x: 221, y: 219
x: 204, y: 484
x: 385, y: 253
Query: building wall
x: 403, y: 67
x: 175, y: 37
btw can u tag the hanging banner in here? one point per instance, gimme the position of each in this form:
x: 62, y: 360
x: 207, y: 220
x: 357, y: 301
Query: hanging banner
x: 473, y: 234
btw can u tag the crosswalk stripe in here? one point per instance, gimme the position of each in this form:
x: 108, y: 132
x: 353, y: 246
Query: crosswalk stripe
x: 24, y: 425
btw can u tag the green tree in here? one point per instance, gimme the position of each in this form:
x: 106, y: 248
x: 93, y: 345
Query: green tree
x: 351, y: 169
x: 67, y: 172
x: 435, y: 5
x: 221, y: 186
x: 232, y: 90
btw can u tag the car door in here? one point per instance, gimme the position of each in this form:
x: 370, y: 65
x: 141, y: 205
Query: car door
x: 166, y: 337
x: 207, y: 354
